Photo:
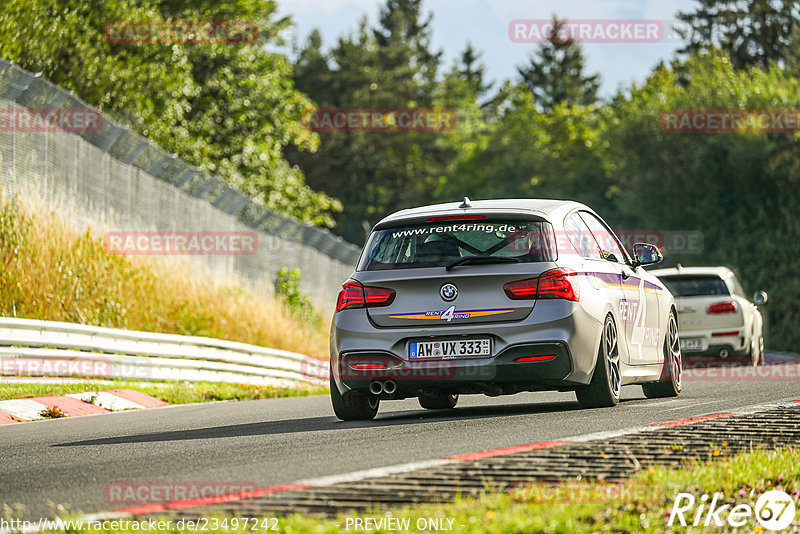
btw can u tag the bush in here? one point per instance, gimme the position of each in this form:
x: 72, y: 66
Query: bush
x: 287, y: 287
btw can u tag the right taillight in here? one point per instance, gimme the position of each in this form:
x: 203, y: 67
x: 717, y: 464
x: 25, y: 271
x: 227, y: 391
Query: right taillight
x: 728, y: 306
x: 355, y: 295
x: 552, y: 284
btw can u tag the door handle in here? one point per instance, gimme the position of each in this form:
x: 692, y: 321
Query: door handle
x: 626, y: 274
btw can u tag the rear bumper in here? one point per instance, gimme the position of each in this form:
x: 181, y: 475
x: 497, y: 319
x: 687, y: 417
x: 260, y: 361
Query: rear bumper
x: 548, y: 365
x: 569, y: 335
x: 711, y: 345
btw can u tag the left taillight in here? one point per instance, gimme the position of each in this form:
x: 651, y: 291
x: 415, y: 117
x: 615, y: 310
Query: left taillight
x: 356, y: 295
x: 728, y: 306
x: 553, y: 284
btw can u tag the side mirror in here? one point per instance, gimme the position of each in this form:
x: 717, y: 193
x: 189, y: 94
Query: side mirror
x: 646, y: 254
x: 760, y: 298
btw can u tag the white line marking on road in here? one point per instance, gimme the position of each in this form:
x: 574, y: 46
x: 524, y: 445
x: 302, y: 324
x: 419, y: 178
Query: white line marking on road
x: 414, y: 466
x: 689, y: 406
x: 609, y: 434
x: 374, y: 473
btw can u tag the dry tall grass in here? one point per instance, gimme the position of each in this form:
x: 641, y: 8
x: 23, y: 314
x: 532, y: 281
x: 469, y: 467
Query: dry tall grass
x: 50, y: 271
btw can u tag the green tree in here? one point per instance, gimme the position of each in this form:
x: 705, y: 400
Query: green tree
x: 527, y: 152
x: 465, y: 83
x: 741, y: 190
x: 386, y: 67
x: 751, y: 32
x: 230, y: 109
x: 556, y: 73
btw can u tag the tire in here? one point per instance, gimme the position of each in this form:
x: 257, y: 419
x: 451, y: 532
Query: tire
x: 757, y: 352
x: 353, y: 406
x: 670, y: 383
x: 604, y: 389
x: 438, y: 401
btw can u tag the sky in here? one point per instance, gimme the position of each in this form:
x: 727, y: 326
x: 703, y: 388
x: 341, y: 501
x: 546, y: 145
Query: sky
x: 485, y: 23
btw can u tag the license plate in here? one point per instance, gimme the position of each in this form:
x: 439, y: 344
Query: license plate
x: 691, y: 344
x: 450, y: 348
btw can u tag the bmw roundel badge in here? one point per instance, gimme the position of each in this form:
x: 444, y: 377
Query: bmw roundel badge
x: 448, y: 292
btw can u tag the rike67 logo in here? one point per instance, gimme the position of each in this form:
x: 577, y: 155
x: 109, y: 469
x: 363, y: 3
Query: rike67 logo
x: 774, y: 510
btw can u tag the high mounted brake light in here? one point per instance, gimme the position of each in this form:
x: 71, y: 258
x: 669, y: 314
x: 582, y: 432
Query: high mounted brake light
x: 454, y: 218
x: 552, y: 284
x: 356, y: 295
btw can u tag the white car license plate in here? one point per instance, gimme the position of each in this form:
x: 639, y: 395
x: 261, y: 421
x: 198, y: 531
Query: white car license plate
x: 450, y: 348
x: 691, y: 344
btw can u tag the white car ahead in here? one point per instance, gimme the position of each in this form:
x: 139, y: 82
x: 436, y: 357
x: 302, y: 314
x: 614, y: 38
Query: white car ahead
x: 714, y: 315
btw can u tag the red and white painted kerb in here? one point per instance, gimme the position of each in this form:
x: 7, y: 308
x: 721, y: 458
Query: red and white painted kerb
x: 320, y: 482
x: 77, y: 404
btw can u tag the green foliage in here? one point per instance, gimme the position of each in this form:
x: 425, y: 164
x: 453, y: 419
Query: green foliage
x: 556, y: 73
x: 230, y: 109
x: 751, y: 32
x: 390, y: 66
x: 48, y: 272
x: 287, y: 286
x: 14, y: 230
x: 235, y: 111
x: 171, y: 392
x: 546, y: 136
x: 742, y: 190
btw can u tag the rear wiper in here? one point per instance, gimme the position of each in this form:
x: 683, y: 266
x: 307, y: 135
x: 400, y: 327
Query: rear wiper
x: 481, y: 259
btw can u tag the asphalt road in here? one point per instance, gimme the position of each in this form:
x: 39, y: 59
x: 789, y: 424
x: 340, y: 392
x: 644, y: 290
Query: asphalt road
x: 69, y: 461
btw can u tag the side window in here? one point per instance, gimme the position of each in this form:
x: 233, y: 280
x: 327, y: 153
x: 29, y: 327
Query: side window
x: 581, y: 238
x: 609, y: 247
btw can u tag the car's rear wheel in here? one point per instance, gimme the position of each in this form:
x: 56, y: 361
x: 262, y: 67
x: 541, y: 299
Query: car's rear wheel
x: 353, y: 406
x: 604, y: 389
x: 670, y: 383
x: 438, y: 401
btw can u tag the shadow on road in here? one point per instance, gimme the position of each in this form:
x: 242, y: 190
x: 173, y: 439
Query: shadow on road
x: 311, y: 424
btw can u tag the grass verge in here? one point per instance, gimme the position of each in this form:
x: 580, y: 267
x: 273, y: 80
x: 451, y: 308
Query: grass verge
x: 49, y: 271
x: 171, y: 392
x: 641, y: 504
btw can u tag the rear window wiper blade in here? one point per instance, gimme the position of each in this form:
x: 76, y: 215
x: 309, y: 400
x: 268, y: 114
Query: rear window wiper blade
x: 481, y: 259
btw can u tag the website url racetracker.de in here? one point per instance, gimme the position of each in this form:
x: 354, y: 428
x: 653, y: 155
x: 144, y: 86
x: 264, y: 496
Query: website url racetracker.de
x: 202, y: 524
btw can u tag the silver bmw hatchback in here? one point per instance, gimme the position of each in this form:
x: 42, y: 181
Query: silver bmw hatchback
x: 498, y: 297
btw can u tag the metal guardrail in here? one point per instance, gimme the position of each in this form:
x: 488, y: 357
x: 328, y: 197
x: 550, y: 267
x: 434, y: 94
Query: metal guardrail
x: 57, y: 349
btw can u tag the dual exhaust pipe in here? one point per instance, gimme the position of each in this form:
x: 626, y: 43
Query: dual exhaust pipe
x: 376, y: 387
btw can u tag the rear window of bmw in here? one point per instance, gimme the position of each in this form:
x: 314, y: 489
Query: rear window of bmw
x: 439, y: 243
x: 695, y: 285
